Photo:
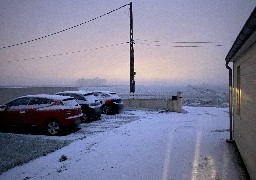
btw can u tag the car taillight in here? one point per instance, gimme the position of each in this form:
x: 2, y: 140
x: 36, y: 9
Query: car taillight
x: 108, y: 101
x: 67, y: 112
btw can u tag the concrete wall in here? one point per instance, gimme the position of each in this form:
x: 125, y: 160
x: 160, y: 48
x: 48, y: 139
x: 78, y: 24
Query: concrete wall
x: 170, y: 104
x: 245, y: 116
x: 7, y: 94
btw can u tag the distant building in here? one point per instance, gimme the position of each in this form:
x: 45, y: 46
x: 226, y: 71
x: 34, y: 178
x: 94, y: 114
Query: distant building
x: 91, y: 82
x: 243, y: 109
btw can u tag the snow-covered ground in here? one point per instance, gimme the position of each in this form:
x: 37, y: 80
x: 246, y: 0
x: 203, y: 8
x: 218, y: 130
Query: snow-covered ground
x: 153, y: 145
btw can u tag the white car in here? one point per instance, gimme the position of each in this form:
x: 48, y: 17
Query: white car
x: 90, y: 105
x: 111, y: 102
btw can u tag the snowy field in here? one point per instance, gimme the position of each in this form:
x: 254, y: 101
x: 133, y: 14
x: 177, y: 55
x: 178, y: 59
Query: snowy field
x: 143, y: 144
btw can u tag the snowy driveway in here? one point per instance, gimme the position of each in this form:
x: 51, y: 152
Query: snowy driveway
x: 154, y: 146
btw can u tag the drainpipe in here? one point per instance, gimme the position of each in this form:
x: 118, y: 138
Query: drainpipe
x: 231, y: 138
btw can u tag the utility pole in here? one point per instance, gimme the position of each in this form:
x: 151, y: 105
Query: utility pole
x: 132, y: 73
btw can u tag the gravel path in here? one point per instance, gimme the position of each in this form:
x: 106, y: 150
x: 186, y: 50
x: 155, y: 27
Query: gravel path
x: 17, y: 149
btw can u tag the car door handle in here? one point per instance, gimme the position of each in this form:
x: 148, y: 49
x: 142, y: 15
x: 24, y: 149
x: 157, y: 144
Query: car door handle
x: 22, y: 112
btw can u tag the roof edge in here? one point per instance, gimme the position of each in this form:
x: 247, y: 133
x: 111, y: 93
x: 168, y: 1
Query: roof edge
x: 247, y: 30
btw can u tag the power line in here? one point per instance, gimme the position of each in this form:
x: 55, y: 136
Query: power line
x: 186, y: 46
x: 181, y: 44
x: 136, y: 42
x: 55, y: 33
x: 193, y: 42
x: 67, y: 53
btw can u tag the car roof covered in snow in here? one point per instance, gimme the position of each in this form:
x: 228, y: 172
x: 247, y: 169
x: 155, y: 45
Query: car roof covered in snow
x: 76, y: 92
x: 49, y: 96
x: 106, y: 92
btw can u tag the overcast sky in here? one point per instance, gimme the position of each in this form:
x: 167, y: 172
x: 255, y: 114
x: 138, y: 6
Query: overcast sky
x: 86, y: 52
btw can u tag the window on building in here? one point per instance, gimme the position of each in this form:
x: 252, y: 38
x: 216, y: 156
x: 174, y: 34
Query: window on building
x: 238, y: 90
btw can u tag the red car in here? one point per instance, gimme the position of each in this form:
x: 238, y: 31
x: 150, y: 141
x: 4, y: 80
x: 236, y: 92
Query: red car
x: 52, y: 113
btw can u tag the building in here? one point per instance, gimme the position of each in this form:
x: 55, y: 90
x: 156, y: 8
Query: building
x: 242, y: 81
x: 91, y: 82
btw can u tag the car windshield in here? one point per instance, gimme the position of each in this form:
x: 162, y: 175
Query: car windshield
x: 114, y: 95
x: 90, y: 98
x: 105, y: 95
x: 70, y: 102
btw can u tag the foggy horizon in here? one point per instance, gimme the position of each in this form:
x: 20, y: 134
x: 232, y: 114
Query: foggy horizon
x: 60, y: 83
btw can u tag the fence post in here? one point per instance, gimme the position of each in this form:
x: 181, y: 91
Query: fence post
x: 179, y: 102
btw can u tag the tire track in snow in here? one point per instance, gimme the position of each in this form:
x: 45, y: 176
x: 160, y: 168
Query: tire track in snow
x: 195, y: 170
x: 167, y: 157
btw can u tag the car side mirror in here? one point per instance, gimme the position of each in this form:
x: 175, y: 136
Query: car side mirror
x: 3, y: 107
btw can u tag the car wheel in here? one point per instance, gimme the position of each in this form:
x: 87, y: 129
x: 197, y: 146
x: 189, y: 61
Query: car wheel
x: 84, y: 118
x: 106, y: 110
x: 53, y: 127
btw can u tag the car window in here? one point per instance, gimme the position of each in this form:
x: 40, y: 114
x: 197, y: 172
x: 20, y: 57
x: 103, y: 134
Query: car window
x: 79, y: 97
x: 37, y: 101
x: 105, y: 95
x: 96, y: 94
x: 19, y: 102
x: 87, y: 94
